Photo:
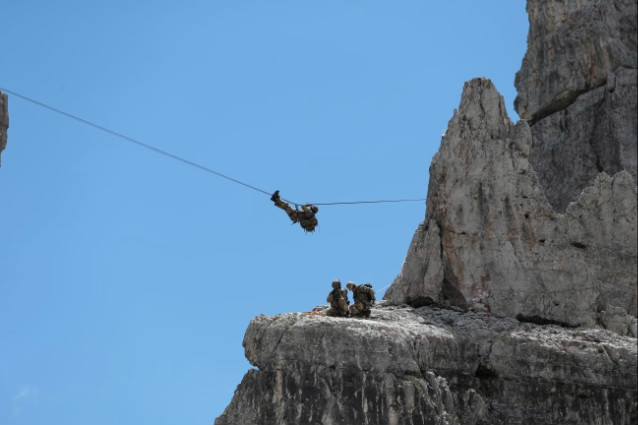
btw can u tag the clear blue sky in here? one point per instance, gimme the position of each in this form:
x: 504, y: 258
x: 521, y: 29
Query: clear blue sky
x: 127, y: 279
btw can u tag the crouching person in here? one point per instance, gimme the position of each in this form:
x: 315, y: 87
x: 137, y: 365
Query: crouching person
x: 338, y: 299
x: 364, y: 298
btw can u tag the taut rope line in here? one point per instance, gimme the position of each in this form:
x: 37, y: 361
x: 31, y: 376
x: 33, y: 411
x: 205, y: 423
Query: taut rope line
x: 179, y: 158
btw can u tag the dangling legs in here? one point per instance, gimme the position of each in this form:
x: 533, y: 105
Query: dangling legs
x: 292, y: 214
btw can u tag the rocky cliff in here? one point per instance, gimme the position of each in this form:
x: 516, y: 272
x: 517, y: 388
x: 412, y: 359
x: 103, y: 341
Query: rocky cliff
x: 577, y: 88
x: 407, y: 366
x: 4, y: 121
x: 516, y: 303
x: 520, y: 218
x: 491, y: 240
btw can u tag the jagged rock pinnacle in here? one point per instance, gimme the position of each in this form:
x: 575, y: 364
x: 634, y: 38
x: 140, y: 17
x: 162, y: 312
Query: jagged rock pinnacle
x: 491, y: 237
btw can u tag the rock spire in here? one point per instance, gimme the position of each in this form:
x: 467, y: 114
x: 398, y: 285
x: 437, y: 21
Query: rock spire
x: 492, y: 240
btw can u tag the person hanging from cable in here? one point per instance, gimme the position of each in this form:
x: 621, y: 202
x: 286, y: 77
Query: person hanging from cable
x: 304, y: 216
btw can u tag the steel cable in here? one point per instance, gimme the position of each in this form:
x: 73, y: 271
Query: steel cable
x: 179, y: 158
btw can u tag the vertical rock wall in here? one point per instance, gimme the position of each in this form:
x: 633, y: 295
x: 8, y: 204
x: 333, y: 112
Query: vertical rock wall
x: 4, y: 121
x: 577, y: 89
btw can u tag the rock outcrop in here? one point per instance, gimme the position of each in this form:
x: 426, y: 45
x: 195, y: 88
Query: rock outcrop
x: 4, y: 122
x: 407, y: 366
x: 577, y: 89
x: 492, y: 240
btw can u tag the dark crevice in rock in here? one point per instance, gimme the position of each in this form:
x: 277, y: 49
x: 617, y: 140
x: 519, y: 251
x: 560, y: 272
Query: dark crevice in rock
x: 599, y: 152
x: 579, y: 245
x: 483, y: 372
x: 421, y: 301
x: 483, y: 207
x: 451, y: 294
x: 538, y: 320
x: 427, y: 302
x: 559, y: 104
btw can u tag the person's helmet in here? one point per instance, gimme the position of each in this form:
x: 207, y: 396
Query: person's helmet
x: 336, y: 284
x: 350, y: 285
x: 314, y: 209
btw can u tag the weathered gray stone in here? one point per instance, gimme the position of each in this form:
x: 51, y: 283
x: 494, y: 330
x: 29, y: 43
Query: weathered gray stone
x: 572, y: 47
x: 577, y: 88
x: 491, y: 237
x: 596, y: 133
x: 431, y: 366
x: 4, y: 121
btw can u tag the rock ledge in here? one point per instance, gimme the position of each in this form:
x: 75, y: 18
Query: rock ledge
x: 431, y: 366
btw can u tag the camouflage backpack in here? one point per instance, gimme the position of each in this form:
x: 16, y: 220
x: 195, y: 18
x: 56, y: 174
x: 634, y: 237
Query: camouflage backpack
x: 308, y: 224
x: 306, y: 217
x: 365, y: 293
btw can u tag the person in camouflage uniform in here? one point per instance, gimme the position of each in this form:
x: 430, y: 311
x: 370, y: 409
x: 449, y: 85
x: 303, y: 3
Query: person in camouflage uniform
x: 338, y: 299
x: 305, y: 217
x: 364, y: 298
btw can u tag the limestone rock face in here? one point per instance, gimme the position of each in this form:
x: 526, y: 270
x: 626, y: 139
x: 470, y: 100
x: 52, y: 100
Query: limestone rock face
x: 572, y: 47
x: 4, y: 121
x: 408, y: 366
x: 577, y: 89
x: 492, y: 239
